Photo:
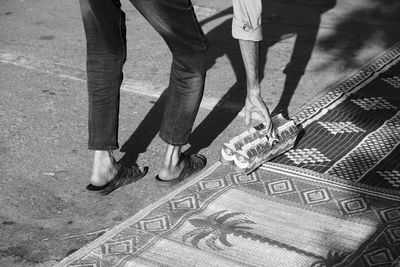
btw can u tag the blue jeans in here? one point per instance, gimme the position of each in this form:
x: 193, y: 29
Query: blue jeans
x: 175, y: 21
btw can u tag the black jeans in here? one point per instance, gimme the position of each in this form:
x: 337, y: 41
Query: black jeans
x: 175, y: 21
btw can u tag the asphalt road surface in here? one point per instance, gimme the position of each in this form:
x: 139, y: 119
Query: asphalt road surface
x: 45, y: 211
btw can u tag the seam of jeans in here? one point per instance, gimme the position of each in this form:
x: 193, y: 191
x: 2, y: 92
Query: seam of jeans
x: 119, y: 80
x: 203, y: 41
x: 122, y: 39
x: 176, y: 118
x: 90, y: 119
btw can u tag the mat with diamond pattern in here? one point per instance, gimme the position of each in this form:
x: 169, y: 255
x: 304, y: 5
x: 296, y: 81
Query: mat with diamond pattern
x: 277, y: 216
x: 352, y: 129
x: 337, y: 205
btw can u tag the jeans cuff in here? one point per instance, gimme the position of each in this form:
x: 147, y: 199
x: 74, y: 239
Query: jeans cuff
x: 170, y: 142
x: 103, y: 147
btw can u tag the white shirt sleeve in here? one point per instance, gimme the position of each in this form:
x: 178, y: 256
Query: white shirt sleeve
x: 246, y: 22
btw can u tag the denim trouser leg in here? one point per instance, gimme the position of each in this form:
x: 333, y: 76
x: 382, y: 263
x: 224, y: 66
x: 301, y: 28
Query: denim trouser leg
x: 104, y: 24
x: 188, y: 46
x: 185, y: 92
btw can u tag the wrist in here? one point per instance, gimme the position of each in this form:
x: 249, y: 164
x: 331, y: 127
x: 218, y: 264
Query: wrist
x: 254, y: 91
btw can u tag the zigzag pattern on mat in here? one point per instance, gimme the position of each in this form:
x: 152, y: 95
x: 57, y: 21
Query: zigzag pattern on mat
x: 352, y: 129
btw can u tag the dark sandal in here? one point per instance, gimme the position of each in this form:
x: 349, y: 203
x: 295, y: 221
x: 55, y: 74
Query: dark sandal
x: 124, y: 176
x: 193, y: 164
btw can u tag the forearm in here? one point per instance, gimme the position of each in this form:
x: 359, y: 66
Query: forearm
x: 250, y: 55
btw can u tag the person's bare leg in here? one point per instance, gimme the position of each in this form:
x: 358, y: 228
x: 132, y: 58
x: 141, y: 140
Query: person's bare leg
x: 104, y: 167
x: 172, y: 165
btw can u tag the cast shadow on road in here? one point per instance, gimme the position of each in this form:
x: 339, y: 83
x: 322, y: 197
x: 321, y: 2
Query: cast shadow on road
x: 375, y: 23
x: 281, y: 19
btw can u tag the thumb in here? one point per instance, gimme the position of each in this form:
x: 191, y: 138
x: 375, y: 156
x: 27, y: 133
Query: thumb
x: 268, y: 123
x: 247, y: 117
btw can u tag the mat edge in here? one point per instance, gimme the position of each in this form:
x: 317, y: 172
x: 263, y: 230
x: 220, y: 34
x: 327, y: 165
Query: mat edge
x: 85, y: 250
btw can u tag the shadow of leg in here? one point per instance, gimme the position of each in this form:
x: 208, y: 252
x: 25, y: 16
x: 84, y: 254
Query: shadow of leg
x: 291, y: 82
x: 294, y: 71
x: 145, y: 133
x: 219, y: 118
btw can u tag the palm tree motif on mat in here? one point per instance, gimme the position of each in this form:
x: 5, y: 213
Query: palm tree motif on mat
x: 218, y: 226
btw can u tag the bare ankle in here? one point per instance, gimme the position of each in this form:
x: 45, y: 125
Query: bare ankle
x: 172, y: 157
x: 104, y: 167
x: 172, y: 164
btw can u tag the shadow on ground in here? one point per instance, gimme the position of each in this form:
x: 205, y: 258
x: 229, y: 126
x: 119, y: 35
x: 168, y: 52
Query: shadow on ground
x: 375, y: 22
x: 280, y: 21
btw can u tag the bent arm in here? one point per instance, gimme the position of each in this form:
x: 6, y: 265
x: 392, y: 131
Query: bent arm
x: 246, y: 27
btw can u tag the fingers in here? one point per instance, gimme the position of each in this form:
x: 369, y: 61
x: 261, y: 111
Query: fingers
x: 264, y: 112
x: 256, y: 104
x: 268, y: 122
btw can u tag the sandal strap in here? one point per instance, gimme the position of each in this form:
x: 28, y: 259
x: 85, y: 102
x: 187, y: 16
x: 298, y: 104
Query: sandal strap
x: 193, y: 164
x: 126, y: 175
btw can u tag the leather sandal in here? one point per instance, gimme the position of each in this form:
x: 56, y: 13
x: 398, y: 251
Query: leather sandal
x: 124, y: 176
x: 193, y: 164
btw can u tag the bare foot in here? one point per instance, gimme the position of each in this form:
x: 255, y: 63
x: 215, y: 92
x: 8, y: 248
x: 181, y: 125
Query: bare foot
x: 173, y: 164
x: 172, y: 171
x: 104, y: 168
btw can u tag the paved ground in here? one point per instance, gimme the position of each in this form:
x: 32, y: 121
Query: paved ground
x: 45, y: 212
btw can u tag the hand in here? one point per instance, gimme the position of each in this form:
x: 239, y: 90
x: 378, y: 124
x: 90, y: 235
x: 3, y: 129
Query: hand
x: 255, y: 103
